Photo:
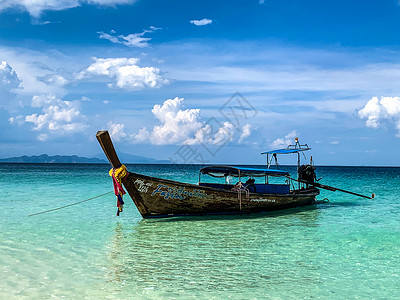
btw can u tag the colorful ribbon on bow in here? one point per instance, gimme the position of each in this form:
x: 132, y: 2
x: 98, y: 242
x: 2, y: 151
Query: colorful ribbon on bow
x: 117, y: 175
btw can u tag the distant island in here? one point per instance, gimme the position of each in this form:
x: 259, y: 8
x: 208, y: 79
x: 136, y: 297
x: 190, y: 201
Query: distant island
x: 74, y: 159
x: 44, y: 158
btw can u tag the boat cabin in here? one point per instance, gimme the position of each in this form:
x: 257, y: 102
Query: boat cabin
x: 236, y: 178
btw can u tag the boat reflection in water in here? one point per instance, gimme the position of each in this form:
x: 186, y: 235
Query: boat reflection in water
x: 259, y: 254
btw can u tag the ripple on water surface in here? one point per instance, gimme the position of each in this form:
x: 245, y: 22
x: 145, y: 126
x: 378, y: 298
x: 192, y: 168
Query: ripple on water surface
x: 347, y: 248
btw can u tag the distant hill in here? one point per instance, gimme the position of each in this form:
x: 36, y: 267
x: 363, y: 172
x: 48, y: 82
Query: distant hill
x: 129, y: 158
x: 73, y: 159
x: 134, y: 159
x: 44, y: 158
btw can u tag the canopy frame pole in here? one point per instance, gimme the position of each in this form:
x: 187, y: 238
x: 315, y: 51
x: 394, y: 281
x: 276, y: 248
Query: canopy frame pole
x: 298, y: 166
x: 240, y: 192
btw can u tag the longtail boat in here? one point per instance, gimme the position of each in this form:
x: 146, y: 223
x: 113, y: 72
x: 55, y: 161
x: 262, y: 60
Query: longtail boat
x: 157, y: 197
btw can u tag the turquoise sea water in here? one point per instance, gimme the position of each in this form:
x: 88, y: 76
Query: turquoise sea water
x: 348, y: 248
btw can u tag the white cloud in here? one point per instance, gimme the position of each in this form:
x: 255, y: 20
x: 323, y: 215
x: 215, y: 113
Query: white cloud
x: 284, y: 142
x: 9, y: 84
x: 58, y: 116
x: 125, y: 72
x: 19, y: 120
x: 180, y: 126
x: 261, y: 2
x: 43, y: 137
x: 224, y: 134
x: 201, y: 22
x: 36, y: 7
x: 116, y: 131
x: 377, y: 111
x: 176, y: 124
x: 131, y: 40
x: 371, y: 111
x: 260, y: 68
x: 213, y: 136
x: 142, y: 136
x: 246, y: 131
x: 38, y: 71
x: 54, y: 80
x: 8, y: 77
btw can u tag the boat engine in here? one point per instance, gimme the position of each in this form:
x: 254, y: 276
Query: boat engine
x: 307, y: 174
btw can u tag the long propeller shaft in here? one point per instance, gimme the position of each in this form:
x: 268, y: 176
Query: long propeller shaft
x: 333, y: 189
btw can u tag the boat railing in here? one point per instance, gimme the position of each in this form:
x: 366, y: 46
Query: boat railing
x: 241, y: 188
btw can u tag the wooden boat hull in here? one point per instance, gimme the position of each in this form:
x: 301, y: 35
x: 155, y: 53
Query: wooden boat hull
x: 155, y: 197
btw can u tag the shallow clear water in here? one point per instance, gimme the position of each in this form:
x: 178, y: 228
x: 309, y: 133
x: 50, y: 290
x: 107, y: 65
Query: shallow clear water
x: 348, y: 248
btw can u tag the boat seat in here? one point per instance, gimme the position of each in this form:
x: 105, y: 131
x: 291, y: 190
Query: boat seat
x: 272, y: 188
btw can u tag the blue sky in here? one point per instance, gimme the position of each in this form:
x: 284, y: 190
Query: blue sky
x: 202, y: 81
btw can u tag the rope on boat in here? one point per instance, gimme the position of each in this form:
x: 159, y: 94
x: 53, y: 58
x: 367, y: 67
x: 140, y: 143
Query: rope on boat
x: 50, y: 210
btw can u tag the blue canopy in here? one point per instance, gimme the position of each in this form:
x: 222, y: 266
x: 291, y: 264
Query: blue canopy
x: 286, y: 151
x: 222, y: 171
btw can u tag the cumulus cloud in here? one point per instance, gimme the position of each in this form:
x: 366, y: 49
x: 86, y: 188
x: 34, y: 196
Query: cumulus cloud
x: 125, y: 72
x: 284, y: 142
x: 142, y: 136
x: 185, y: 126
x: 213, y: 135
x: 176, y: 124
x: 8, y: 77
x: 132, y: 40
x: 9, y: 83
x: 54, y: 80
x: 201, y: 22
x: 246, y: 132
x: 116, y: 131
x: 58, y: 116
x: 36, y: 7
x: 376, y: 112
x: 19, y: 120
